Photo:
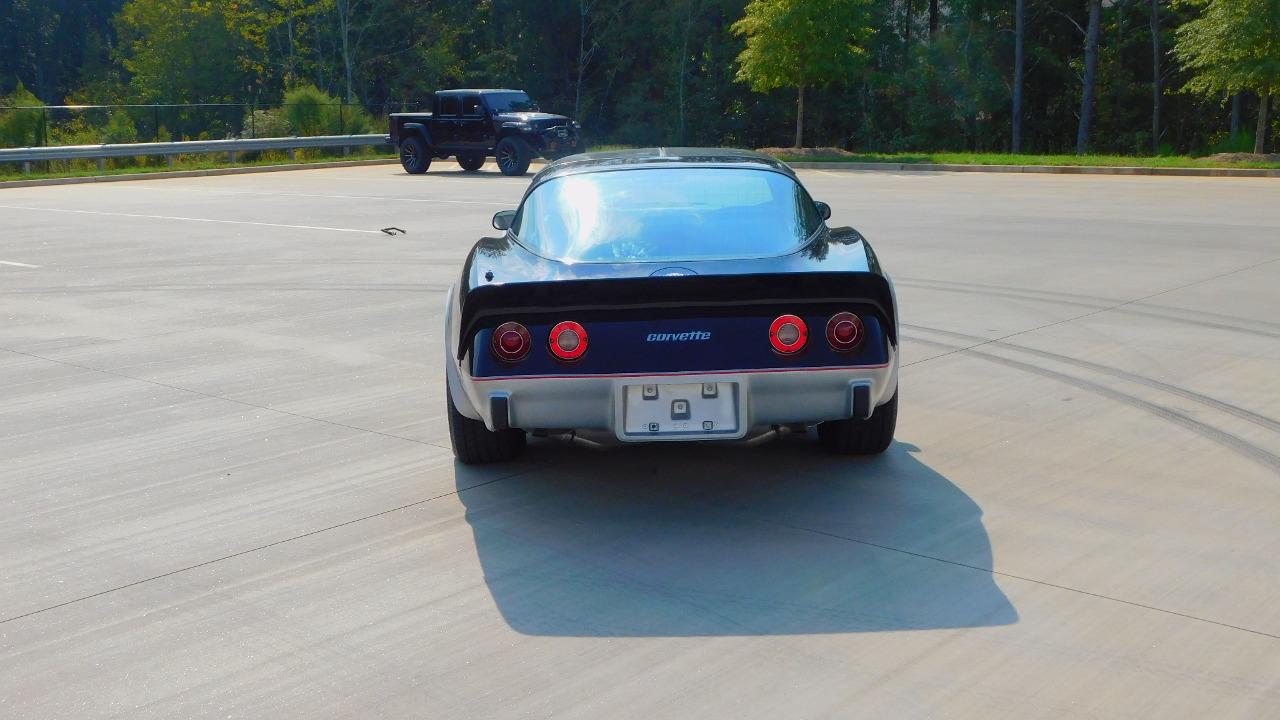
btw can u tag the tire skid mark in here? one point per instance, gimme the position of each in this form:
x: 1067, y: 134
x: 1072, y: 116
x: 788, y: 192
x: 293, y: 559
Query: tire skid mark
x: 323, y: 263
x: 1174, y: 316
x: 1012, y: 293
x: 222, y: 287
x: 1239, y: 412
x: 1239, y: 445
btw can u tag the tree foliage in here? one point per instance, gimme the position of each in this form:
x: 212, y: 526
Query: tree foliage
x: 1234, y: 45
x: 181, y: 49
x: 880, y: 75
x: 801, y: 44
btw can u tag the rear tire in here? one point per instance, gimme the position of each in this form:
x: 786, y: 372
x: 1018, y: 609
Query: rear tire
x: 414, y: 157
x: 513, y: 156
x: 471, y: 161
x: 862, y: 437
x: 475, y: 444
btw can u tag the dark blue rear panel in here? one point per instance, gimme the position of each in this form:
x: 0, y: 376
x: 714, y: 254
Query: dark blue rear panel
x: 650, y: 344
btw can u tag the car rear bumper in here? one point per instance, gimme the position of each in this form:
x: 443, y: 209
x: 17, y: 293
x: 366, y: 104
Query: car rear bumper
x: 764, y: 398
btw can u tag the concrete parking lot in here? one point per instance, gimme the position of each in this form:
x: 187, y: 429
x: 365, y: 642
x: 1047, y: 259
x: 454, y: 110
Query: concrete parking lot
x: 226, y: 488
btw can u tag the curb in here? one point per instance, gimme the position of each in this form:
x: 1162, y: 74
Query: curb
x: 125, y: 177
x: 1047, y: 169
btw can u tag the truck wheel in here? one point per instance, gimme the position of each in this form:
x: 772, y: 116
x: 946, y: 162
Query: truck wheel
x: 513, y: 156
x: 414, y: 157
x: 471, y: 161
x: 475, y: 444
x: 861, y: 437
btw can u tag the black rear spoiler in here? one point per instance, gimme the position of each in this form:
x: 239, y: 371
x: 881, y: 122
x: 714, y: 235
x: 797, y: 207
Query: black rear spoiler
x: 486, y: 303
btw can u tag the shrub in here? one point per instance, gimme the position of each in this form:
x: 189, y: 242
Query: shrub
x: 306, y: 107
x: 354, y: 121
x: 76, y: 131
x: 1220, y: 142
x: 312, y: 111
x: 119, y: 128
x: 266, y: 124
x: 21, y: 126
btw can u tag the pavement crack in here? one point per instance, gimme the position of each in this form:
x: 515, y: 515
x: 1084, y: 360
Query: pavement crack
x: 223, y: 398
x: 1036, y: 581
x: 264, y: 546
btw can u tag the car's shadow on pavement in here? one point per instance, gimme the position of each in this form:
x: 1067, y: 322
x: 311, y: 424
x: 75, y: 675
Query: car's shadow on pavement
x: 682, y: 540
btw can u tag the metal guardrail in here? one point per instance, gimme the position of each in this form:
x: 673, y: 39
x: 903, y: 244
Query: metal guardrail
x: 28, y: 155
x: 166, y: 122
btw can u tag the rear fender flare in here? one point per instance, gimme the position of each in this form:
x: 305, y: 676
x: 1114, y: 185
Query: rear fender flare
x: 452, y: 368
x: 893, y: 298
x: 419, y: 129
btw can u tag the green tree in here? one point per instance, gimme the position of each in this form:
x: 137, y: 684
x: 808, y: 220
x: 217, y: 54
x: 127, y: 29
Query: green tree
x: 802, y: 43
x: 1089, y: 90
x: 939, y: 74
x: 182, y: 51
x: 44, y: 43
x: 954, y: 89
x: 1234, y: 45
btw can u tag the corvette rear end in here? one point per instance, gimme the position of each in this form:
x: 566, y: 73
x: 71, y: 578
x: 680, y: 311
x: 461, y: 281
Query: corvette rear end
x: 670, y: 295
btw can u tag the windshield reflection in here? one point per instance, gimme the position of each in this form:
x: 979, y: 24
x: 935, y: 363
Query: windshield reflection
x: 666, y: 214
x: 511, y: 102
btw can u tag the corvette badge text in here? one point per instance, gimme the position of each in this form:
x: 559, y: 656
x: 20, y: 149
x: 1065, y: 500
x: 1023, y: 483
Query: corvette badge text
x: 679, y: 337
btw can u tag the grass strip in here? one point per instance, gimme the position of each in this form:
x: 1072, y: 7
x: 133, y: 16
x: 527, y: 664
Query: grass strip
x: 82, y: 168
x: 1179, y: 161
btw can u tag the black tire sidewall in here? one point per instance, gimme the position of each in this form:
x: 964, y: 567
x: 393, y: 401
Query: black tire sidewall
x: 862, y: 437
x: 419, y: 149
x: 523, y: 153
x: 475, y: 444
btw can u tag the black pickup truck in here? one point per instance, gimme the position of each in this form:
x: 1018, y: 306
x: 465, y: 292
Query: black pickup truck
x: 472, y: 125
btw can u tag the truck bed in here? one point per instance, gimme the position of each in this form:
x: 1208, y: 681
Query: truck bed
x: 397, y: 122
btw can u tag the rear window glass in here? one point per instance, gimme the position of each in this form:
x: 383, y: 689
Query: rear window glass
x: 666, y: 214
x: 450, y: 105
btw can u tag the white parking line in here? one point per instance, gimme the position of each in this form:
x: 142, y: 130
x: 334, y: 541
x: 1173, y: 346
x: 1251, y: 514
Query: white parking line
x: 17, y: 264
x: 363, y: 197
x: 390, y: 198
x: 187, y: 219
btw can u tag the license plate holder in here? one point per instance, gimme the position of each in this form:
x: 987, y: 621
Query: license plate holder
x: 680, y: 410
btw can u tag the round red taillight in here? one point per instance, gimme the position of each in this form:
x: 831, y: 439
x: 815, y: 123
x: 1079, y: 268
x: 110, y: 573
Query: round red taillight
x: 511, y: 342
x: 845, y: 332
x: 568, y: 340
x: 788, y: 334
